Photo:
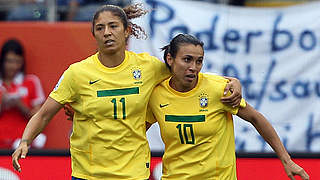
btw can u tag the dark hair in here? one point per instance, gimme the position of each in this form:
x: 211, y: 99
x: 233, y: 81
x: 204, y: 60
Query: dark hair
x: 176, y: 42
x: 125, y: 14
x: 11, y: 45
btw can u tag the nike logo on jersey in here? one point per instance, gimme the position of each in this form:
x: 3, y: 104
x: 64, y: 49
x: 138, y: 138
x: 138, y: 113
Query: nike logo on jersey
x: 92, y: 82
x: 163, y: 105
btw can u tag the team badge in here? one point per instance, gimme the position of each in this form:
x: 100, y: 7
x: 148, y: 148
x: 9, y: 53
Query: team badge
x: 203, y: 99
x: 136, y: 73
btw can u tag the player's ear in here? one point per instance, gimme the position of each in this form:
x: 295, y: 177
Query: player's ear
x: 169, y: 59
x: 127, y: 32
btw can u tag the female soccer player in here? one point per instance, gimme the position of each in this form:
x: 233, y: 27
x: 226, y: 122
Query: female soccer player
x: 109, y: 92
x: 196, y: 128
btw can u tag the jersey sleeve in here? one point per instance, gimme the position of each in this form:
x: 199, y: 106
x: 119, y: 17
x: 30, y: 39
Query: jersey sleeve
x: 150, y: 117
x: 65, y: 90
x: 235, y: 110
x: 161, y: 71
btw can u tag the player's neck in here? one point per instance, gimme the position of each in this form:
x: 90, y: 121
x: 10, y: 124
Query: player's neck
x: 181, y: 86
x: 111, y: 60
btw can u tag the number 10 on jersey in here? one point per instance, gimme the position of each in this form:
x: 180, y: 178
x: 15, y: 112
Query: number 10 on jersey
x: 186, y: 133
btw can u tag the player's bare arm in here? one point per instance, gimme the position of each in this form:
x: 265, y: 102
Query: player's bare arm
x: 269, y: 134
x: 36, y: 124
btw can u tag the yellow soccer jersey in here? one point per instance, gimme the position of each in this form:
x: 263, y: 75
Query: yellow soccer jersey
x: 108, y: 139
x: 197, y: 130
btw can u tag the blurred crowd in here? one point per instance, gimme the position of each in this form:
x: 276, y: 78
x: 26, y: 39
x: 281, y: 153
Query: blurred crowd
x: 81, y: 10
x: 39, y: 10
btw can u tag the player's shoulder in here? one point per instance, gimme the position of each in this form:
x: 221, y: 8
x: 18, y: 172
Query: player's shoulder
x: 142, y: 56
x: 214, y: 78
x: 84, y: 62
x: 161, y: 87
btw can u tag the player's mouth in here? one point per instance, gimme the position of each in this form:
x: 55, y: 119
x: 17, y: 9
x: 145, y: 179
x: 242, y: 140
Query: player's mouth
x: 109, y: 42
x: 190, y: 77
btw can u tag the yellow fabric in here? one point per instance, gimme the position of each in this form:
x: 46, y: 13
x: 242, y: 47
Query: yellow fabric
x: 197, y: 130
x: 108, y: 139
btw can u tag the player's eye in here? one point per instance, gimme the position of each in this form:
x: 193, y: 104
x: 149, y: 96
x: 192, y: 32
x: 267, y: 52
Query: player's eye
x: 113, y: 26
x: 199, y: 61
x: 187, y: 59
x: 99, y: 28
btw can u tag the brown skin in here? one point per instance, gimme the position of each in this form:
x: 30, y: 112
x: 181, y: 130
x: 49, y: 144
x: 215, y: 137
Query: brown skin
x: 188, y: 66
x: 192, y: 68
x: 36, y: 124
x: 111, y: 38
x: 185, y: 68
x: 234, y: 86
x: 268, y: 133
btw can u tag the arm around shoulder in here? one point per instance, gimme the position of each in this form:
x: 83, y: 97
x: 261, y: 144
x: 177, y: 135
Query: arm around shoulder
x: 234, y: 86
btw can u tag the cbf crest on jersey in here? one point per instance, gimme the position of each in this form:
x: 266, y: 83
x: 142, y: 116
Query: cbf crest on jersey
x: 136, y: 73
x: 203, y: 100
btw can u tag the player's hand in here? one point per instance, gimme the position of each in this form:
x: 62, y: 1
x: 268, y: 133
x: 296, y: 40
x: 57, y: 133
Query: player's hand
x: 293, y: 169
x: 234, y: 86
x: 68, y: 111
x: 20, y: 152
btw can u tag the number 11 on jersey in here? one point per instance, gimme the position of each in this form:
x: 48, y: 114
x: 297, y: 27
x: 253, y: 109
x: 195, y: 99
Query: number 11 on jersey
x: 115, y: 107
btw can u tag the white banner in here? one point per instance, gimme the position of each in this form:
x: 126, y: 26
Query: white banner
x: 275, y: 52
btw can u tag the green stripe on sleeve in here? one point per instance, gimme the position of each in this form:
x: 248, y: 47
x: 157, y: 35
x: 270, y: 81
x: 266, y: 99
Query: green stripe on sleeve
x: 118, y: 92
x: 176, y: 118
